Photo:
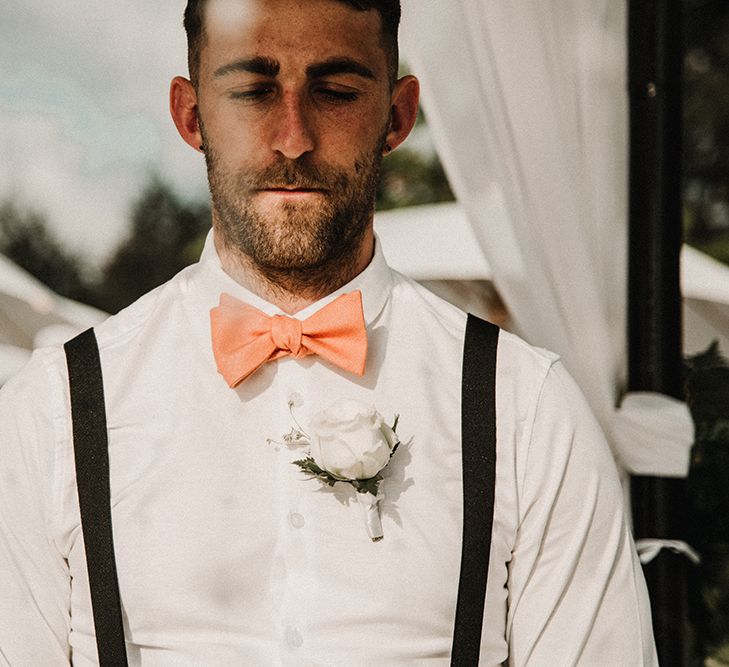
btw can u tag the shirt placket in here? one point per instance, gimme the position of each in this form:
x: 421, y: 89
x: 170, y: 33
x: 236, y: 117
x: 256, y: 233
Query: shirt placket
x: 293, y: 395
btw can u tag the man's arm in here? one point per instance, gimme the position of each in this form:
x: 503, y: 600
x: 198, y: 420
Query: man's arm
x: 34, y: 578
x: 576, y: 594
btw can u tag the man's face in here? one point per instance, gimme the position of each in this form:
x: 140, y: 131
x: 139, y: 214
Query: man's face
x: 294, y: 106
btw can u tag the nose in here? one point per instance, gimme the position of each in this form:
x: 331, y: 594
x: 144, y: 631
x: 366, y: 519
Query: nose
x: 293, y: 135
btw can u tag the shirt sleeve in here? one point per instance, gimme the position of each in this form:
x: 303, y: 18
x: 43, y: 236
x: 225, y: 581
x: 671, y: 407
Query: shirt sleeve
x: 34, y: 576
x: 576, y: 590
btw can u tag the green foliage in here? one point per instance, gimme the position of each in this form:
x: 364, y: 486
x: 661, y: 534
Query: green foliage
x: 371, y: 485
x: 408, y: 178
x: 707, y: 388
x: 26, y: 239
x: 706, y: 175
x: 706, y: 126
x: 309, y: 466
x: 166, y: 235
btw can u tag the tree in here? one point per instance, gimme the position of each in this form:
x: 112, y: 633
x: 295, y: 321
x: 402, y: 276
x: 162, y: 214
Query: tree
x: 26, y: 239
x: 707, y: 388
x: 165, y: 236
x: 409, y: 178
x: 706, y: 126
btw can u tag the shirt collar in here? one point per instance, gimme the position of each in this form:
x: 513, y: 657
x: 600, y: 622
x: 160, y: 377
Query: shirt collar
x: 375, y: 284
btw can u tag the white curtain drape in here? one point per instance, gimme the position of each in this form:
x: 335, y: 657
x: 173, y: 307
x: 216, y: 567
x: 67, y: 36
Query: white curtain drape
x: 527, y: 104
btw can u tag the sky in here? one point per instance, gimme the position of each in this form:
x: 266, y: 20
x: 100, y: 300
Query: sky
x: 84, y: 110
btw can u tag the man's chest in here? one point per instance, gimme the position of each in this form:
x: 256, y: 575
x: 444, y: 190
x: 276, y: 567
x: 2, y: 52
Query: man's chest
x: 218, y: 536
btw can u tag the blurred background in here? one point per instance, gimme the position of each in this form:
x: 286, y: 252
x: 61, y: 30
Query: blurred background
x: 100, y: 201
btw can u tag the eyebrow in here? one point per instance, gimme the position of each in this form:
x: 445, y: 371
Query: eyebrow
x: 257, y: 65
x: 270, y: 67
x: 339, y: 65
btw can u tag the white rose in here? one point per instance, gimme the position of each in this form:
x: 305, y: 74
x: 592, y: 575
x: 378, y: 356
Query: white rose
x: 350, y: 440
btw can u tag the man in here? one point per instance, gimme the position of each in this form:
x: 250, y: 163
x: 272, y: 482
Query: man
x: 227, y: 553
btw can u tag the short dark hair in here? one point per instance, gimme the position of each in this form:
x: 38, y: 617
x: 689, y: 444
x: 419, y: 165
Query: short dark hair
x: 389, y: 11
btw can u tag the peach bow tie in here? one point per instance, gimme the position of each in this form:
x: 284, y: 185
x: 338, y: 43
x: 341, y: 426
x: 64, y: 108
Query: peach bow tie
x: 245, y: 338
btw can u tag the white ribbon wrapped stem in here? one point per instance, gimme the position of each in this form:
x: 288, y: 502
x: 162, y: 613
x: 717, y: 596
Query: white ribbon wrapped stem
x: 371, y: 511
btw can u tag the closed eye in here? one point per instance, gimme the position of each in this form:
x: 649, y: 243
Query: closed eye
x: 336, y: 96
x: 252, y: 95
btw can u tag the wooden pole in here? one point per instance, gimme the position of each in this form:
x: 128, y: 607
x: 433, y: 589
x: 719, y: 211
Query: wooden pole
x: 655, y: 46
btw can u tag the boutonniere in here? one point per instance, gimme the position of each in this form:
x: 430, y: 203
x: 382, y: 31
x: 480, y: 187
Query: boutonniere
x: 349, y: 443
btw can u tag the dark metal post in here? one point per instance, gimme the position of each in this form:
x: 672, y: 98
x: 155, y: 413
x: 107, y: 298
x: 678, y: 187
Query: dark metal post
x: 655, y: 47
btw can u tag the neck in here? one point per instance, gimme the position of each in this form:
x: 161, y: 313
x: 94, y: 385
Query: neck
x: 294, y: 290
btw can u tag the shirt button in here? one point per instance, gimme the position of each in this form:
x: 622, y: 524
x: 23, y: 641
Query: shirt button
x: 296, y: 520
x: 294, y: 638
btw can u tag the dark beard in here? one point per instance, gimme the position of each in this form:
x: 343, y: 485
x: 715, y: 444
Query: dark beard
x: 306, y: 250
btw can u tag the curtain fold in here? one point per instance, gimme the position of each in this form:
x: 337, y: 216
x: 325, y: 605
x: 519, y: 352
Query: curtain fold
x: 527, y: 104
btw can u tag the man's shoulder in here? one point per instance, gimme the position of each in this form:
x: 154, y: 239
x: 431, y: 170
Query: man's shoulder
x: 418, y: 303
x: 513, y: 351
x: 32, y: 401
x: 517, y: 353
x: 45, y: 374
x: 37, y: 372
x: 154, y: 306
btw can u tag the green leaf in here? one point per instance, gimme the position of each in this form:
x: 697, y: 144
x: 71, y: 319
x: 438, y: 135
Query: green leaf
x: 309, y: 466
x: 370, y: 485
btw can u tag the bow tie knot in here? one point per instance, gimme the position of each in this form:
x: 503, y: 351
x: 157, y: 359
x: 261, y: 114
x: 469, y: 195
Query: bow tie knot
x: 286, y: 333
x: 245, y: 338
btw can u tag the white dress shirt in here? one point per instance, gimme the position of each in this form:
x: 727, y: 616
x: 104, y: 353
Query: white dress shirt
x: 228, y: 555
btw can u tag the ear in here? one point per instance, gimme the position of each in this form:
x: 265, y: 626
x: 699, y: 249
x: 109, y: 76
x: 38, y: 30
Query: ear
x: 404, y: 110
x: 183, y: 107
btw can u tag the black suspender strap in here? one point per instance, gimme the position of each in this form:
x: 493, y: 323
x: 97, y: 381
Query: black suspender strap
x: 478, y: 434
x: 91, y: 452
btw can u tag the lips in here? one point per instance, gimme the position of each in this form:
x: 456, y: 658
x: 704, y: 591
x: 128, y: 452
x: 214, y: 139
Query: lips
x: 287, y: 192
x: 288, y: 188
